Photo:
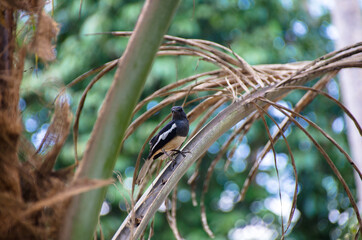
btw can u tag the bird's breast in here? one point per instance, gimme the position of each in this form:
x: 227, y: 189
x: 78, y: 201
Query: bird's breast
x: 175, y: 143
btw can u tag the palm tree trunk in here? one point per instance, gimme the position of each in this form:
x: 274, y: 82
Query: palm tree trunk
x: 346, y: 16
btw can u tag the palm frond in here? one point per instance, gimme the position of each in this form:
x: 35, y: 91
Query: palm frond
x: 247, y: 91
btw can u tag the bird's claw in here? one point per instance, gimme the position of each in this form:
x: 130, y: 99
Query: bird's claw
x: 183, y: 153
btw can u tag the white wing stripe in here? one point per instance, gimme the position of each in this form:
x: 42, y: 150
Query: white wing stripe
x: 164, y: 135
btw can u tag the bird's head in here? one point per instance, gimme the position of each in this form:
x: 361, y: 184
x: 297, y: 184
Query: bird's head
x: 178, y: 113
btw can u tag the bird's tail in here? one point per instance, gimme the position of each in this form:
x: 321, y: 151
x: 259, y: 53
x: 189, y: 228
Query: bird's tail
x: 144, y: 170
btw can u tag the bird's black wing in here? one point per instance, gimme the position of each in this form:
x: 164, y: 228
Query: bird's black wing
x: 164, y: 136
x: 153, y: 140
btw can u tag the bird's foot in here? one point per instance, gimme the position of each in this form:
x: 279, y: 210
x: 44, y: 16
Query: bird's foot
x: 167, y: 154
x: 183, y: 153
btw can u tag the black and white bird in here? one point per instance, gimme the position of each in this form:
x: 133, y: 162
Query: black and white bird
x: 168, y: 140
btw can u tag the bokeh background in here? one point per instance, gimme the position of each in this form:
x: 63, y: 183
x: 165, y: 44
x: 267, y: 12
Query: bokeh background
x: 260, y: 31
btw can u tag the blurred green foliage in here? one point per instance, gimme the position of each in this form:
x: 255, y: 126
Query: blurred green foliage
x: 261, y: 32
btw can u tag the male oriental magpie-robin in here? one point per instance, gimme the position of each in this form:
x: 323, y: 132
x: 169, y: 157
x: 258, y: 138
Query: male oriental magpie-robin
x: 169, y: 139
